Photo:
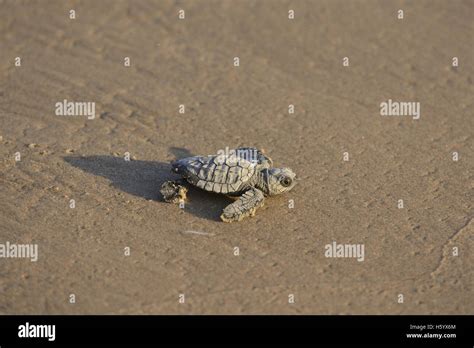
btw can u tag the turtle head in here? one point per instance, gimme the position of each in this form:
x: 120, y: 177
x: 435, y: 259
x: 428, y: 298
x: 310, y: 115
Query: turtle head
x: 279, y: 180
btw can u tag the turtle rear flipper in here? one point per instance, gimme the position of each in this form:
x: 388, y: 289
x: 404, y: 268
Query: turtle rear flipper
x: 246, y: 205
x: 173, y: 192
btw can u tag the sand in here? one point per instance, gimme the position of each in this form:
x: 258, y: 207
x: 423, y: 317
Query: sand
x: 281, y: 251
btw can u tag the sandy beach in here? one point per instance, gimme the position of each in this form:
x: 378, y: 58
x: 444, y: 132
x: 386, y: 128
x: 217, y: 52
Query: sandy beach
x: 166, y: 87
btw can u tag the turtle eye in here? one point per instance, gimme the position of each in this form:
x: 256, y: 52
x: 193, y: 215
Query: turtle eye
x: 286, y: 181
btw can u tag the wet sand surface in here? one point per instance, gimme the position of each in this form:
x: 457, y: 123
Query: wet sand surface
x: 408, y: 251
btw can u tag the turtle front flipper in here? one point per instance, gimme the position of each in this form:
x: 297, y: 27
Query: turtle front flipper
x: 246, y: 205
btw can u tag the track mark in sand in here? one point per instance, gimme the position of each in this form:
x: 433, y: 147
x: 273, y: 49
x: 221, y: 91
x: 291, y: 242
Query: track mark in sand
x: 198, y: 233
x: 465, y: 226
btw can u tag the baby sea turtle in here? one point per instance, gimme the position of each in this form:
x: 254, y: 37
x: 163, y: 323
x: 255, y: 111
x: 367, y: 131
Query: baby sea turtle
x: 244, y: 172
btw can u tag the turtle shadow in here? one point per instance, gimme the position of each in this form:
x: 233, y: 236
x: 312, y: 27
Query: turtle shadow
x: 180, y: 152
x: 144, y: 178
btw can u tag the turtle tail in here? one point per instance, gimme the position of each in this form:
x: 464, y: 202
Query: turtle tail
x: 176, y: 166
